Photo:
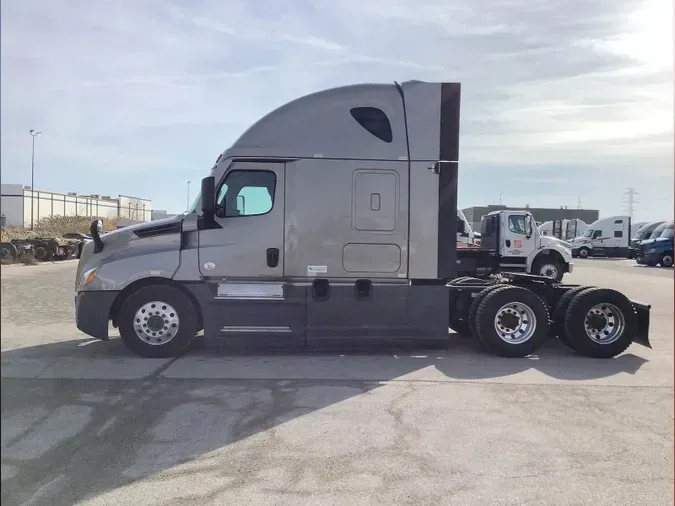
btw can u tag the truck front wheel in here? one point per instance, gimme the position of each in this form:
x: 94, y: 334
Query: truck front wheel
x: 549, y: 267
x: 158, y: 321
x: 666, y: 259
x: 512, y: 321
x: 584, y: 252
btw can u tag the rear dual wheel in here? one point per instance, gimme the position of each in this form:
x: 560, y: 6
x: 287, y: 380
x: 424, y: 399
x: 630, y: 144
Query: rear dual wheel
x: 510, y: 321
x: 598, y: 322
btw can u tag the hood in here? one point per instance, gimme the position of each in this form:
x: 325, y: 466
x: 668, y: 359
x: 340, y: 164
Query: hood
x: 548, y: 240
x: 115, y: 235
x: 131, y: 240
x: 580, y: 240
x: 657, y: 241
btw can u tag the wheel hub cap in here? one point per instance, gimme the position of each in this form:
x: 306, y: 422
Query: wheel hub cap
x: 515, y: 323
x: 604, y: 323
x: 156, y: 323
x: 550, y: 271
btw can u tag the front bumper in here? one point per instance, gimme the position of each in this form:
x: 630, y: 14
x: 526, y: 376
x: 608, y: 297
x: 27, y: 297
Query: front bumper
x: 92, y: 312
x: 648, y: 258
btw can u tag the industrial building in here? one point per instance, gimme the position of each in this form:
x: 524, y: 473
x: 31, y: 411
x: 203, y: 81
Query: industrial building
x: 15, y: 206
x: 475, y: 214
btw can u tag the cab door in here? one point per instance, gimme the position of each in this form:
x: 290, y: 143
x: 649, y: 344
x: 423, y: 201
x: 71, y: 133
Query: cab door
x: 517, y: 241
x: 242, y: 256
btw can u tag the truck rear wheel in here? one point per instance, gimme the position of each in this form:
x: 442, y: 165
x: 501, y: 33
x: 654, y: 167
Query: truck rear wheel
x: 158, y: 321
x: 559, y: 315
x: 473, y: 310
x: 600, y: 322
x: 43, y: 252
x: 512, y: 321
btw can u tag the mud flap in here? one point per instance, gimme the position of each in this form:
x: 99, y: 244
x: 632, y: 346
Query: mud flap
x: 643, y: 313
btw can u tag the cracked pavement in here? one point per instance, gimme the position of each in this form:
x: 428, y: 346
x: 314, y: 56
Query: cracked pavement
x: 85, y: 422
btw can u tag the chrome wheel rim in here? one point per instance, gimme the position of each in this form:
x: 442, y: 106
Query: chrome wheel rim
x: 549, y: 271
x: 156, y: 323
x: 604, y: 323
x: 515, y: 323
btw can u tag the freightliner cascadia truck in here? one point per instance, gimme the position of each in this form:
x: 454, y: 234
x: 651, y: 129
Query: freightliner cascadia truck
x: 335, y: 217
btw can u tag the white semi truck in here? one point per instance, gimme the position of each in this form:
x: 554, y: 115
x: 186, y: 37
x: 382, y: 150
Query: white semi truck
x: 347, y: 233
x: 608, y: 237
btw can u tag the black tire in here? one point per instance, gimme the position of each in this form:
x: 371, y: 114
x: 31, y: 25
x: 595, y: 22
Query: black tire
x: 579, y: 310
x: 584, y: 253
x: 8, y: 251
x: 666, y: 259
x: 489, y: 309
x: 187, y: 321
x: 473, y: 309
x: 560, y: 312
x: 548, y: 263
x: 43, y: 252
x: 460, y: 325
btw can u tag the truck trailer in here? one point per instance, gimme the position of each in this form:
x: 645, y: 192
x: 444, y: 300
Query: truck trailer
x: 348, y: 232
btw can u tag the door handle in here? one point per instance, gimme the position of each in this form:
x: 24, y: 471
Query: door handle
x: 508, y: 243
x: 272, y: 257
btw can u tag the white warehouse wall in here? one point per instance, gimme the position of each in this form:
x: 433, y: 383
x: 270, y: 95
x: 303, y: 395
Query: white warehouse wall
x: 16, y: 206
x: 11, y: 204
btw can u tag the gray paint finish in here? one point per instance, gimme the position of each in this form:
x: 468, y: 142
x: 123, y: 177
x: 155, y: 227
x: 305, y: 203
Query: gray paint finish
x: 349, y: 208
x: 320, y: 215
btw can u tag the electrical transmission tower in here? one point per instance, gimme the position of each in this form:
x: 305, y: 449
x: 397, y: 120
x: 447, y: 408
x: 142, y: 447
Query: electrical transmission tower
x: 630, y: 201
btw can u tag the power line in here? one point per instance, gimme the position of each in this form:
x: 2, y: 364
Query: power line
x: 630, y: 201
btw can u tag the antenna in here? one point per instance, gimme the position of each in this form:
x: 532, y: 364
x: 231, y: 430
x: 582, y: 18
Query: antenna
x: 630, y: 201
x: 579, y: 203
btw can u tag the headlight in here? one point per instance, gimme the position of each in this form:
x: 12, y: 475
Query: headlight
x: 87, y: 277
x: 651, y: 250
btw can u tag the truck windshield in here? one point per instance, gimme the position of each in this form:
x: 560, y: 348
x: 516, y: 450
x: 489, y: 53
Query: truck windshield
x: 195, y: 203
x: 667, y: 233
x: 639, y: 235
x: 657, y: 231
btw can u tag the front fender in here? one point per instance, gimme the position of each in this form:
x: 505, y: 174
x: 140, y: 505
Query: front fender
x: 118, y: 274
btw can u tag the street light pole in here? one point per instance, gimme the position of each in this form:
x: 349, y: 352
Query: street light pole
x: 33, y: 134
x: 187, y: 207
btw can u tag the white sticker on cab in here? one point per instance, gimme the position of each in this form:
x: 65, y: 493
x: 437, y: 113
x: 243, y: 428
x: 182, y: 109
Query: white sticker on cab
x: 313, y: 270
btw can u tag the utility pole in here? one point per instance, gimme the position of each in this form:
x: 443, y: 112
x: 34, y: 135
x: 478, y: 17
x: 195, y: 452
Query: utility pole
x: 630, y: 201
x: 579, y: 203
x: 33, y: 134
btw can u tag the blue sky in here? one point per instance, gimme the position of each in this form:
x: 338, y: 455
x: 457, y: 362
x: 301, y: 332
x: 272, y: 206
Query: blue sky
x: 561, y: 100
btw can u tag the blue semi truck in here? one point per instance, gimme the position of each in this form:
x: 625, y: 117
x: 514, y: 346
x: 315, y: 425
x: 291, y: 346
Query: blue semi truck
x: 657, y: 250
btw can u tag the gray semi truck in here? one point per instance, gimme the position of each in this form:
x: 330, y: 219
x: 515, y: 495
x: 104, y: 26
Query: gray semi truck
x: 334, y: 217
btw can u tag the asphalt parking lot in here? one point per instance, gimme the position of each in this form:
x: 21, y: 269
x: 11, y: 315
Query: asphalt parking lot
x: 85, y: 422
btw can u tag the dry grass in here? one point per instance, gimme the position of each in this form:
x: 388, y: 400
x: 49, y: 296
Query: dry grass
x: 56, y: 226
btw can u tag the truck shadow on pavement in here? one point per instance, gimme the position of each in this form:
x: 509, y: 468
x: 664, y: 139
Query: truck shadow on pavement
x: 219, y: 413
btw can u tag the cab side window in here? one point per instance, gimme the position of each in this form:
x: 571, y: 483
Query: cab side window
x: 517, y: 225
x: 597, y: 233
x: 246, y: 193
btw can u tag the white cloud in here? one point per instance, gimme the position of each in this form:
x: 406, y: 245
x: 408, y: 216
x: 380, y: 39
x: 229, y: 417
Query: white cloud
x: 133, y: 94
